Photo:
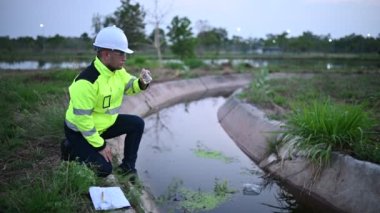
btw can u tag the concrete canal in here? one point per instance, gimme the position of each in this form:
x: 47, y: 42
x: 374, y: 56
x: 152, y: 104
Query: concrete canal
x: 189, y: 164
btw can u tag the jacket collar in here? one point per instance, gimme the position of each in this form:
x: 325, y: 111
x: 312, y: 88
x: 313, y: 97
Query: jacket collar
x: 102, y: 69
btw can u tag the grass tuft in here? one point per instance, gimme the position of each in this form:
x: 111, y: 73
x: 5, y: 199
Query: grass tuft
x: 322, y: 127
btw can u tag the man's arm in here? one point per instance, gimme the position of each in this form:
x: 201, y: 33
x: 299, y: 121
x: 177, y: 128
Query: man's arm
x: 135, y: 85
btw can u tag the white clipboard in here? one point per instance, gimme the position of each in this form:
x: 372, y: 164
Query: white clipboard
x: 106, y: 198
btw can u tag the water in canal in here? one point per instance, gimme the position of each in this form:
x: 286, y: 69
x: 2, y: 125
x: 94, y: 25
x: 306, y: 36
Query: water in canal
x: 185, y: 153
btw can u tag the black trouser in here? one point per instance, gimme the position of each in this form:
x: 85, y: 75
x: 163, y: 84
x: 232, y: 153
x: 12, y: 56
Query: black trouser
x: 82, y: 151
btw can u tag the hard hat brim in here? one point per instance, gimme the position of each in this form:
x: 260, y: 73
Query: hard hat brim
x: 129, y: 51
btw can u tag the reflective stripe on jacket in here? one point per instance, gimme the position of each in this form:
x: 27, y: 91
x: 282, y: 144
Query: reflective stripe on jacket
x: 96, y: 96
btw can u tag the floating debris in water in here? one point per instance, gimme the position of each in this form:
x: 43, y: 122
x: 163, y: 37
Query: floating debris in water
x: 251, y: 189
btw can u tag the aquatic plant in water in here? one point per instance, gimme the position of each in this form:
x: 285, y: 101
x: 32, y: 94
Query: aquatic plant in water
x: 204, y: 152
x: 196, y: 201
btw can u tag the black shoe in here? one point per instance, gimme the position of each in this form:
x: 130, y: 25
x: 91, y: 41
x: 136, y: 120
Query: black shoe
x: 127, y: 171
x: 65, y: 150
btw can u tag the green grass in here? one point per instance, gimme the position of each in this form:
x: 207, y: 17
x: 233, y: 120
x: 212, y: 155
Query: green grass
x: 61, y: 190
x: 33, y: 108
x: 32, y: 119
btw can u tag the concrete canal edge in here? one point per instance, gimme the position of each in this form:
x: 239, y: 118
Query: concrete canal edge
x: 348, y: 185
x: 166, y: 94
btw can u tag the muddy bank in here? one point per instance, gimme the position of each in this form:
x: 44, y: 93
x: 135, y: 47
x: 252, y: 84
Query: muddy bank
x: 348, y: 184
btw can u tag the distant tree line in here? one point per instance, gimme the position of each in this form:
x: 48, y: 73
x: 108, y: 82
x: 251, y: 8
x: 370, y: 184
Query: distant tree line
x: 180, y: 40
x: 42, y: 43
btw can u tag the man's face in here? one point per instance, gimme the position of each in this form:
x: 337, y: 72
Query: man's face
x: 116, y: 59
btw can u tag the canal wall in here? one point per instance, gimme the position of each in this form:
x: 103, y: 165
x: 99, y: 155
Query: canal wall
x: 347, y: 184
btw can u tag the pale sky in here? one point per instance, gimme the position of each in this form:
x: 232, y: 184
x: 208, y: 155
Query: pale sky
x: 246, y: 18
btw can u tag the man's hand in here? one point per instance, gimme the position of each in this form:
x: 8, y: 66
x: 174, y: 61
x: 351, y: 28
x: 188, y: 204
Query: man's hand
x: 107, y: 154
x: 145, y: 76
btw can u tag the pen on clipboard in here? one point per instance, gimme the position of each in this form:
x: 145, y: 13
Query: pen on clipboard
x: 102, y: 196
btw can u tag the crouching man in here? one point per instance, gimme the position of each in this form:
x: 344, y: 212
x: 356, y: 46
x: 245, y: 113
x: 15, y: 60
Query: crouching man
x: 96, y: 95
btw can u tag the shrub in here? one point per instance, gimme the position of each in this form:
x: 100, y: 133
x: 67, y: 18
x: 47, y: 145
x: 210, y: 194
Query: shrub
x: 194, y: 63
x: 260, y: 89
x: 138, y: 62
x: 175, y: 66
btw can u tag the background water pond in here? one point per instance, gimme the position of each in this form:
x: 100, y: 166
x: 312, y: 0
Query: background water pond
x: 187, y: 161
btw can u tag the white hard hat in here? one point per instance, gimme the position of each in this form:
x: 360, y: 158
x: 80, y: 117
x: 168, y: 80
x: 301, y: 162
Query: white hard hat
x: 112, y: 38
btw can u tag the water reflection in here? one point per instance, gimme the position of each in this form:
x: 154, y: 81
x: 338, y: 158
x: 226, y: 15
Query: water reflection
x: 186, y: 144
x: 159, y: 126
x: 286, y: 202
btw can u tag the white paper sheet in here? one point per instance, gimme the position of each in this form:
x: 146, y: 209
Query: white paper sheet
x: 106, y: 198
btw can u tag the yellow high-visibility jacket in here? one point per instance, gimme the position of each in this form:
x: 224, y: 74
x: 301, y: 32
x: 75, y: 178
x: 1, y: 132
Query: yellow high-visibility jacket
x: 96, y: 96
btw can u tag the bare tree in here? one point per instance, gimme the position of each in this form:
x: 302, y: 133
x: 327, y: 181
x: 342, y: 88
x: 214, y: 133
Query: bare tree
x: 157, y: 19
x: 96, y: 23
x: 202, y: 26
